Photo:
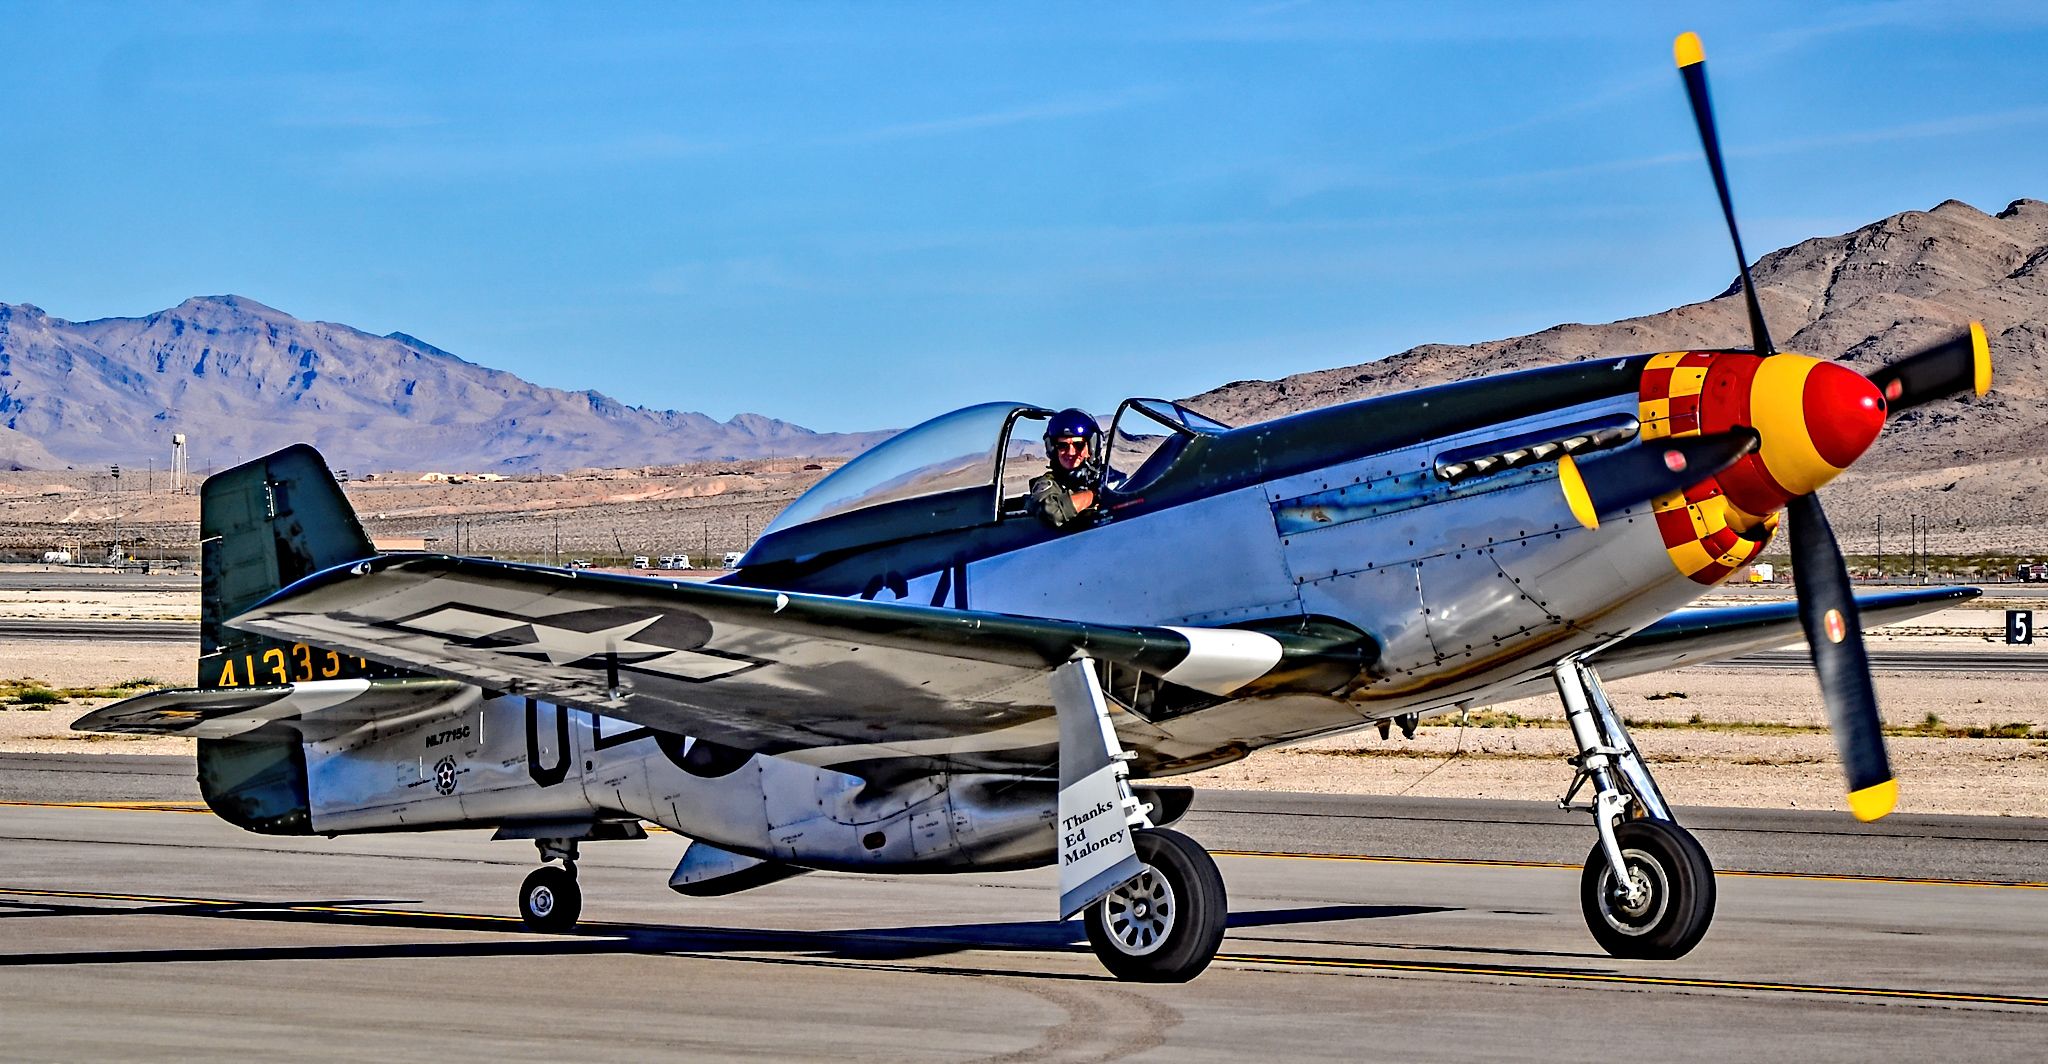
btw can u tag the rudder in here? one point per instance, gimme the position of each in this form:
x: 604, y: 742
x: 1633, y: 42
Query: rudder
x: 262, y: 526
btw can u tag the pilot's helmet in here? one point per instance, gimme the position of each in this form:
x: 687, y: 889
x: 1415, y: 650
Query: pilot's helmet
x: 1071, y: 424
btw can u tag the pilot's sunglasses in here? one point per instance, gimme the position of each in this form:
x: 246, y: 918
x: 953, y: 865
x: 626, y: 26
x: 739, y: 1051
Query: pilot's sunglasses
x: 1069, y: 445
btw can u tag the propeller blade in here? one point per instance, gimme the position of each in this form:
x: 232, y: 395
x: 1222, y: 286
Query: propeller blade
x: 1937, y: 372
x: 1606, y: 483
x: 1834, y: 635
x: 1692, y: 66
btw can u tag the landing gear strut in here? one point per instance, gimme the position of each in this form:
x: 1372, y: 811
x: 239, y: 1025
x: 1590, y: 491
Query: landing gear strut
x: 1648, y: 888
x: 549, y: 900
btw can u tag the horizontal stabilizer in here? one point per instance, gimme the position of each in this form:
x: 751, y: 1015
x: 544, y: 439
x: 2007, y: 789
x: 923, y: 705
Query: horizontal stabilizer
x: 328, y: 706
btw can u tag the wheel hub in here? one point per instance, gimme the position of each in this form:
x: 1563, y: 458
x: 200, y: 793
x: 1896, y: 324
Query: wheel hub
x: 1140, y: 915
x: 1634, y: 899
x: 1633, y: 905
x: 542, y: 900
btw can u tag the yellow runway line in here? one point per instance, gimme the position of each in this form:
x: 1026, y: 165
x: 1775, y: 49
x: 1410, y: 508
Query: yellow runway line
x: 247, y: 905
x: 1471, y: 862
x: 1637, y: 980
x: 1264, y: 960
x: 143, y: 807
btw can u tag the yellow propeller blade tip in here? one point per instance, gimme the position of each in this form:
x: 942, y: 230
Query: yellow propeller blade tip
x: 1982, y: 349
x: 1575, y: 495
x: 1686, y: 49
x: 1873, y: 802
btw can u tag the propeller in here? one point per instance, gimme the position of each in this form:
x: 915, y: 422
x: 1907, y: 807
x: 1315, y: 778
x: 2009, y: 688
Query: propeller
x: 1692, y: 67
x: 1827, y: 611
x: 1827, y: 608
x: 1937, y: 372
x: 1606, y: 483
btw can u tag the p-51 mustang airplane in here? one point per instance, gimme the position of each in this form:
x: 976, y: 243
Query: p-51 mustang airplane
x: 911, y: 673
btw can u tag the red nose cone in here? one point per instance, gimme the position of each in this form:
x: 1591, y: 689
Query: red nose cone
x: 1844, y: 413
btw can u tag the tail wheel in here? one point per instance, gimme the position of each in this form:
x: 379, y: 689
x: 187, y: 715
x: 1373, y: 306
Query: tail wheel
x: 550, y: 901
x: 1166, y: 925
x: 1675, y: 904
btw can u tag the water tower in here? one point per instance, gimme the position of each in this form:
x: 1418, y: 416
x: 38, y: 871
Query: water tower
x: 178, y: 463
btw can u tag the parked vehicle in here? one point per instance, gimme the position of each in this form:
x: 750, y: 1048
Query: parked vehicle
x: 675, y: 561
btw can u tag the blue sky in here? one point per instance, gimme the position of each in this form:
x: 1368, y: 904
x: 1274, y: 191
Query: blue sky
x: 859, y: 215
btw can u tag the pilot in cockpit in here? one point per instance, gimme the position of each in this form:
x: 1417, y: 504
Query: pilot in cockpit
x: 1065, y: 496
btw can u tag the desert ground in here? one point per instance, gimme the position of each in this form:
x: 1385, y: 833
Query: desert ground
x: 596, y: 514
x: 1963, y: 741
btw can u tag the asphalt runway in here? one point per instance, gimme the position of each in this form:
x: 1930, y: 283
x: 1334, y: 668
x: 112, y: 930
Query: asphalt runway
x: 1989, y: 658
x: 1362, y: 928
x: 43, y: 578
x: 126, y: 631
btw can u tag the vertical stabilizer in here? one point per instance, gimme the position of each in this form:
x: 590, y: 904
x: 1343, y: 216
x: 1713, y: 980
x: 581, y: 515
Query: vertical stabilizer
x: 263, y: 525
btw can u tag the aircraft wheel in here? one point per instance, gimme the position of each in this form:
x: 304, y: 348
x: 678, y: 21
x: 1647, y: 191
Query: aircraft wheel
x: 550, y: 901
x: 1166, y: 925
x: 1677, y: 902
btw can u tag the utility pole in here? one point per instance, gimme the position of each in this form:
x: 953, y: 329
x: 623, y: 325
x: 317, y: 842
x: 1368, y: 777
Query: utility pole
x: 1921, y: 568
x: 1880, y: 548
x: 1912, y: 544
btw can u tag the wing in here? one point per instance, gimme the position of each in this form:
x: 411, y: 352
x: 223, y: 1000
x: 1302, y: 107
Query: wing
x: 1690, y: 637
x: 1700, y: 635
x: 750, y: 668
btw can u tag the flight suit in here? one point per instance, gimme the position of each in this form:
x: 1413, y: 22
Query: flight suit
x: 1053, y: 503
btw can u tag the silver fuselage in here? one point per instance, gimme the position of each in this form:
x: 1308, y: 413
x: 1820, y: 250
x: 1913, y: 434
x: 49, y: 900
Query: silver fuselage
x: 1467, y: 594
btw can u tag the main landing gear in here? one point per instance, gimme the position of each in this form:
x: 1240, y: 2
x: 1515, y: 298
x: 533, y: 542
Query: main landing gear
x: 549, y: 900
x: 1648, y: 888
x: 1165, y: 925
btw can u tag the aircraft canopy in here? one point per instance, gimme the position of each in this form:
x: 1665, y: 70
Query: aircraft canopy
x: 962, y: 449
x: 964, y: 469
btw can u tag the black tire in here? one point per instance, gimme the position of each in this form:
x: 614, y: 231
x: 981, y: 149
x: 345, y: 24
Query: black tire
x: 1677, y: 907
x: 550, y: 901
x: 1166, y: 925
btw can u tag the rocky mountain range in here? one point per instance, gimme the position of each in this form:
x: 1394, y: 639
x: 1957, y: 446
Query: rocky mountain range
x: 1976, y: 469
x: 1865, y: 298
x: 239, y: 379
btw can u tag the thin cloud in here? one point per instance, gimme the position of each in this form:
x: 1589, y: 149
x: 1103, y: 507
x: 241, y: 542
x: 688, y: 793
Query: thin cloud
x: 1951, y: 126
x: 1073, y: 107
x: 449, y: 158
